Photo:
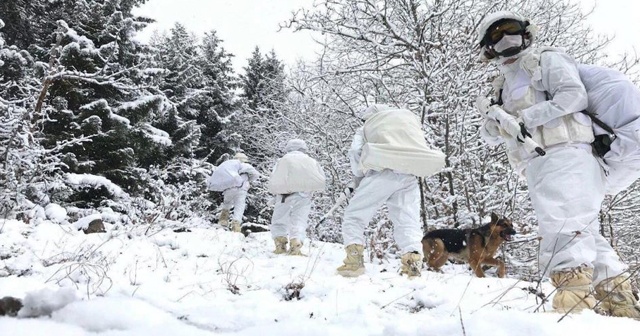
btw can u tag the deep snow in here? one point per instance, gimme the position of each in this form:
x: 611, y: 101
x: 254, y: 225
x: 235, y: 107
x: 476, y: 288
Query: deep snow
x: 211, y: 281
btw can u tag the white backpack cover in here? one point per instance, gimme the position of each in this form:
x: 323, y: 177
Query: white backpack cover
x: 225, y: 176
x: 296, y: 172
x: 615, y: 100
x: 394, y: 140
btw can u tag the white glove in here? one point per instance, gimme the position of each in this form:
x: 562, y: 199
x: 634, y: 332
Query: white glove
x: 510, y: 124
x: 483, y: 104
x: 490, y: 132
x: 491, y: 127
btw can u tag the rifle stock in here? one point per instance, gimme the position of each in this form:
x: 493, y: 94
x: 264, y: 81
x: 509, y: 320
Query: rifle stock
x: 339, y: 202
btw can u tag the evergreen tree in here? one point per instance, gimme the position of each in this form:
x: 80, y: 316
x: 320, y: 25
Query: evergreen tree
x: 216, y: 101
x: 27, y: 170
x: 96, y: 88
x: 263, y: 96
x: 177, y: 54
x: 274, y: 91
x: 197, y: 77
x: 199, y: 80
x: 18, y: 30
x: 253, y: 81
x: 89, y: 99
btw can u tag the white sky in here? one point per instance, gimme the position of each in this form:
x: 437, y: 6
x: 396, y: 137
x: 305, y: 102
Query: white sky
x: 617, y: 17
x: 243, y: 24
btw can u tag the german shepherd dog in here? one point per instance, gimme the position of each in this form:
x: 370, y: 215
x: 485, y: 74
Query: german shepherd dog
x: 475, y: 246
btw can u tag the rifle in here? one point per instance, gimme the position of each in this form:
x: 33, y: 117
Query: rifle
x: 343, y: 198
x: 509, y: 124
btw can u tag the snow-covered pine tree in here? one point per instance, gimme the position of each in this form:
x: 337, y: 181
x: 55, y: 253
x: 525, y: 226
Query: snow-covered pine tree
x: 199, y: 80
x: 18, y: 30
x: 263, y: 96
x: 29, y: 173
x: 197, y: 77
x: 216, y: 102
x: 98, y: 107
x: 15, y: 126
x: 252, y: 81
x: 176, y: 53
x: 92, y: 71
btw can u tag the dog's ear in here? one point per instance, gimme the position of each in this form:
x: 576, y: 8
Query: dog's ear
x: 494, y: 217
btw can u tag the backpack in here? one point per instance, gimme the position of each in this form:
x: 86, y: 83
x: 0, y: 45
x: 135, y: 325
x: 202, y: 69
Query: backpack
x: 296, y: 172
x: 225, y: 176
x: 614, y: 108
x: 394, y: 140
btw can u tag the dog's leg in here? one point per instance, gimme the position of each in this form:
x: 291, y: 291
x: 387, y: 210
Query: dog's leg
x: 435, y: 254
x: 476, y: 251
x: 439, y: 255
x: 476, y: 266
x: 502, y: 269
x: 496, y: 262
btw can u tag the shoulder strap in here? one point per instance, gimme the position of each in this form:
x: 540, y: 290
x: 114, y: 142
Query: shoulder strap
x: 599, y: 122
x: 499, y: 101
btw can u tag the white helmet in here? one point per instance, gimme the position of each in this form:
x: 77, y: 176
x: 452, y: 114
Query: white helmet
x: 520, y: 30
x: 241, y: 157
x: 373, y: 109
x: 295, y: 145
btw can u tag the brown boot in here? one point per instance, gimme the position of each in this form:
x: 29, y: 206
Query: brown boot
x: 223, y: 220
x: 295, y: 246
x: 354, y: 262
x: 411, y: 264
x: 574, y: 291
x: 616, y: 297
x: 281, y: 245
x: 236, y: 226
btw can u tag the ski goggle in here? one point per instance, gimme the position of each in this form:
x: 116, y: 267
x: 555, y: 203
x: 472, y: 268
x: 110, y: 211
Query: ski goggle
x: 501, y: 28
x: 510, y: 48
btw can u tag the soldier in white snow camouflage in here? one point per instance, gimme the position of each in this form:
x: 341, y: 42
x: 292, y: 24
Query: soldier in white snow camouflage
x: 541, y: 89
x: 233, y: 178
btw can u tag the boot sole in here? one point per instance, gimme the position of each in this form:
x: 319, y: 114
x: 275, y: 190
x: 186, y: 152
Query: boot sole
x: 351, y: 274
x: 411, y: 276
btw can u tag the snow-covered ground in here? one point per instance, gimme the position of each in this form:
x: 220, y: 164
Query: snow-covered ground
x: 210, y: 281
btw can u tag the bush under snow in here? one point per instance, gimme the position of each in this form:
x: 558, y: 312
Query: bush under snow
x: 45, y: 301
